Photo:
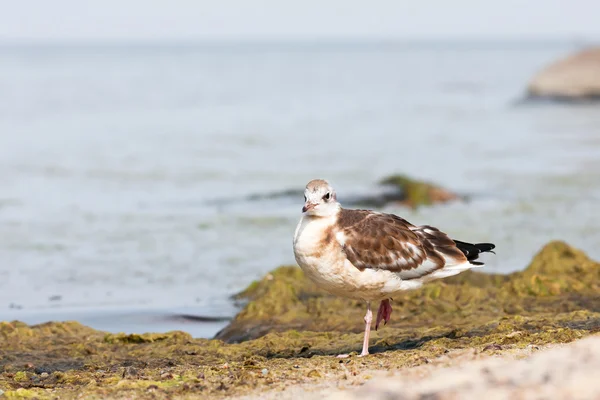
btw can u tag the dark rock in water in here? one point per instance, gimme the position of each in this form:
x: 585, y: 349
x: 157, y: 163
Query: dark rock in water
x: 197, y: 318
x: 402, y: 190
x: 575, y: 78
x: 291, y: 193
x: 396, y: 189
x: 290, y: 329
x: 414, y: 193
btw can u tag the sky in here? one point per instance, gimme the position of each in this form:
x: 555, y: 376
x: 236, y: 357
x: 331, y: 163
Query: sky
x: 152, y: 20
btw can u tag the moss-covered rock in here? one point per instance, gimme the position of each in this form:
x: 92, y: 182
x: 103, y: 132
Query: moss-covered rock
x: 397, y: 189
x: 289, y: 330
x: 415, y: 193
x: 560, y: 279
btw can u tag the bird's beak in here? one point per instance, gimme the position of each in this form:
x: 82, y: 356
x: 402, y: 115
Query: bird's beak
x: 308, y: 206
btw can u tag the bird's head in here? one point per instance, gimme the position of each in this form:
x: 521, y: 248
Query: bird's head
x: 320, y: 199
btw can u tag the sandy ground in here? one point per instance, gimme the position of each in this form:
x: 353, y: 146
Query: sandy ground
x: 569, y: 371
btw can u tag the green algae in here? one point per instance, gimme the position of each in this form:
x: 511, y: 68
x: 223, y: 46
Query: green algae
x: 289, y: 330
x: 21, y: 376
x: 406, y: 191
x: 146, y: 337
x: 418, y: 193
x: 22, y: 394
x: 559, y: 279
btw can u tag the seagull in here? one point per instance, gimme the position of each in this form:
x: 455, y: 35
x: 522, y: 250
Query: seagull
x: 373, y: 256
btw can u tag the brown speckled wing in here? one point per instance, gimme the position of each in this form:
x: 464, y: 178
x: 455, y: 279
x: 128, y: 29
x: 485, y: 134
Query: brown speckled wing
x: 388, y: 242
x: 441, y: 244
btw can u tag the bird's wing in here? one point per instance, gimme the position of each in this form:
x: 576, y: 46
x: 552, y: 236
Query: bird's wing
x: 388, y: 242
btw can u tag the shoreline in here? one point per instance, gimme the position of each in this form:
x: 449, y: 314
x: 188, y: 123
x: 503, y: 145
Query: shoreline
x: 71, y: 361
x: 198, y: 321
x: 288, y: 333
x: 552, y: 371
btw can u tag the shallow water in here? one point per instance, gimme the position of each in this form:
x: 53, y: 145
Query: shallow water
x: 125, y: 171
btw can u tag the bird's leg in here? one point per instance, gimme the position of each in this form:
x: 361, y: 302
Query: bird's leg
x: 384, y: 313
x: 368, y: 320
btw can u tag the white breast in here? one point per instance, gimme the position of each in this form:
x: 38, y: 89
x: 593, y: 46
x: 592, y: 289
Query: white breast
x: 326, y: 264
x: 309, y: 237
x: 318, y: 259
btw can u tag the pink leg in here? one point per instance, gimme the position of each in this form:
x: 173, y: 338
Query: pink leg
x: 368, y: 320
x: 384, y: 313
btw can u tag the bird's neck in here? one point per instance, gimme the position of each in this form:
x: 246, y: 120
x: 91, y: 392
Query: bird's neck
x: 331, y: 212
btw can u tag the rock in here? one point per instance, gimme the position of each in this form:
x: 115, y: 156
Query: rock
x: 418, y: 193
x: 574, y: 78
x: 558, y: 278
x: 292, y: 330
x: 397, y: 189
x: 403, y: 190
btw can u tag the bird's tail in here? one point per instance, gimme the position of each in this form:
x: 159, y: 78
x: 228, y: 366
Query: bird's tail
x: 472, y: 250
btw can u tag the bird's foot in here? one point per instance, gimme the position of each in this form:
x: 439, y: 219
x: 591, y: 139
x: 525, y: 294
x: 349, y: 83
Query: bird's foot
x: 349, y: 355
x: 384, y: 313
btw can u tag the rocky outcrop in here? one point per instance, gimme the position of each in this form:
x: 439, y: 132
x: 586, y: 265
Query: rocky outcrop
x: 289, y: 331
x: 559, y: 281
x: 574, y: 78
x: 405, y: 191
x: 393, y: 190
x: 415, y: 193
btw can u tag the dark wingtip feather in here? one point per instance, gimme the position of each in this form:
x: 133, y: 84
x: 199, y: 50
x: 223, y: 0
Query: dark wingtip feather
x: 484, y: 247
x: 472, y: 250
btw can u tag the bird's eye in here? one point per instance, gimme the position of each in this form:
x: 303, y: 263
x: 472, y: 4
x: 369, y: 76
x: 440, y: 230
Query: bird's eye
x: 327, y: 196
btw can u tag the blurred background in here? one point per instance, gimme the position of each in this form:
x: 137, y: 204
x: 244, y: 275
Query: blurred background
x: 153, y: 153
